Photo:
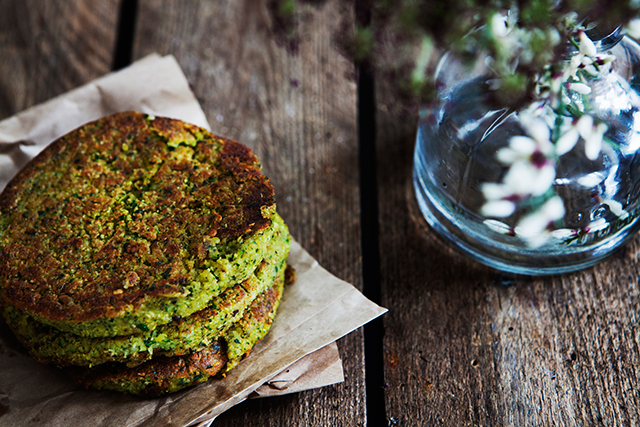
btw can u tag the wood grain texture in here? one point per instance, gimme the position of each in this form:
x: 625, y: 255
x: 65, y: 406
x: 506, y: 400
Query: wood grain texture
x: 284, y: 89
x: 466, y: 345
x: 49, y: 47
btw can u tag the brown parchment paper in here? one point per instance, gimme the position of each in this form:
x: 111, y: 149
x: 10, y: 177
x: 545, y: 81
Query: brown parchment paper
x: 299, y: 353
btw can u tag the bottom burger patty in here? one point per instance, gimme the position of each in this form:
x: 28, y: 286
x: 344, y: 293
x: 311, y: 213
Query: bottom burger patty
x: 163, y: 374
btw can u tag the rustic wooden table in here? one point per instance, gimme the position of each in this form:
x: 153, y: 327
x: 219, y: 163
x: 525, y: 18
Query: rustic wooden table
x: 461, y: 344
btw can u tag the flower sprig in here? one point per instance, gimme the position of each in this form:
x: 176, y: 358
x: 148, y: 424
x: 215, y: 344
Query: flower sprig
x: 552, y: 125
x: 522, y: 39
x: 403, y: 39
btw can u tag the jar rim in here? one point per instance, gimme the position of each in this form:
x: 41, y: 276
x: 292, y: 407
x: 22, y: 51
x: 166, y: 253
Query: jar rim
x: 607, y: 39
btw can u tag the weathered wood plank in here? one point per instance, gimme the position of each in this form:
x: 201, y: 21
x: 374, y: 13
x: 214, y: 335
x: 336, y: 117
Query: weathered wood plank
x: 462, y: 348
x: 49, y: 47
x: 282, y: 87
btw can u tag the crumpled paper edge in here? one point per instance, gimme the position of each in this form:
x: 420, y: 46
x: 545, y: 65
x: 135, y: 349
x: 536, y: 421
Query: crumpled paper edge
x: 339, y: 309
x: 24, y: 135
x: 300, y: 376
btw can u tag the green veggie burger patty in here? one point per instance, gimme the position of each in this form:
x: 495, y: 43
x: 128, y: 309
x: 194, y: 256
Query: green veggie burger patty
x: 129, y: 222
x: 141, y: 254
x: 196, y: 332
x: 169, y: 374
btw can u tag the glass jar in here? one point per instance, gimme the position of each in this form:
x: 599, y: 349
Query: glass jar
x: 549, y: 187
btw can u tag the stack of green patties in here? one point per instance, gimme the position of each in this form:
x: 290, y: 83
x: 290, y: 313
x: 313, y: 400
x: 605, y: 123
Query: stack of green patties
x: 142, y: 254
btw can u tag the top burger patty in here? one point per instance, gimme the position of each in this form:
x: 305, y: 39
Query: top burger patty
x: 129, y: 221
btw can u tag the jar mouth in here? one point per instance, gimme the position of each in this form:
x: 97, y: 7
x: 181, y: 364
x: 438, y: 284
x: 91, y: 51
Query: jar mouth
x: 605, y: 38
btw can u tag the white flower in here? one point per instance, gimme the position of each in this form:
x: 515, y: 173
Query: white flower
x: 587, y: 59
x: 633, y: 28
x: 498, y: 208
x: 578, y: 62
x: 536, y: 228
x: 531, y: 168
x: 616, y: 208
x: 508, y: 41
x: 499, y: 25
x: 526, y: 178
x: 539, y: 131
x: 604, y: 63
x: 592, y: 135
x: 494, y: 191
x: 564, y: 233
x: 567, y: 141
x: 587, y: 47
x: 556, y: 83
x: 521, y: 147
x: 497, y: 226
x: 586, y: 128
x: 596, y: 225
x: 581, y: 88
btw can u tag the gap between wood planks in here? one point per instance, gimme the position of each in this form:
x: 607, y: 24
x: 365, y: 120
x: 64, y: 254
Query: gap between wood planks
x: 373, y: 331
x: 122, y: 56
